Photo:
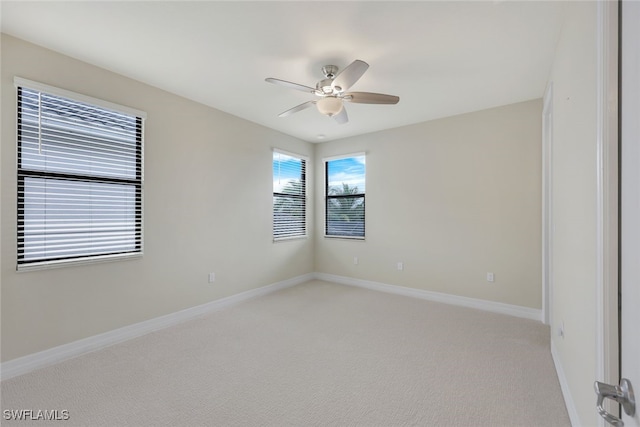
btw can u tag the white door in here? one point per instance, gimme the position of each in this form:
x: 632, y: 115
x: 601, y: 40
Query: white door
x: 630, y: 201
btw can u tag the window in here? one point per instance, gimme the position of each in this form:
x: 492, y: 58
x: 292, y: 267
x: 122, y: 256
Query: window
x: 344, y: 189
x: 79, y: 178
x: 289, y: 195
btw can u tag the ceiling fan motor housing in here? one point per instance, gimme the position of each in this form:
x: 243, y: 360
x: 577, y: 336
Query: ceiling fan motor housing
x: 324, y: 87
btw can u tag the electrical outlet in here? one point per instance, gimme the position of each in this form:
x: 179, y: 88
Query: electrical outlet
x: 400, y: 266
x: 212, y: 277
x: 490, y: 277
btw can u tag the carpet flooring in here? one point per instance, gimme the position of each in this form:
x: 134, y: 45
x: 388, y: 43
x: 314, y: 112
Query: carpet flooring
x: 317, y: 354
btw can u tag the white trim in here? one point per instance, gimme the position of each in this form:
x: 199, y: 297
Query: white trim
x: 607, y: 349
x: 547, y: 205
x: 344, y: 156
x: 290, y: 154
x: 47, y: 265
x: 20, y: 82
x: 600, y: 107
x: 492, y: 306
x: 564, y: 386
x: 64, y: 352
x: 360, y: 238
x: 52, y: 356
x: 287, y: 239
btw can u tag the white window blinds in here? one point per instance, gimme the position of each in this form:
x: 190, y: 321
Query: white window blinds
x: 80, y: 180
x: 289, y: 196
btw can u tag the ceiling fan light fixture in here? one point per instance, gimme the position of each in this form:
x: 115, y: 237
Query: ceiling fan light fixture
x: 329, y: 106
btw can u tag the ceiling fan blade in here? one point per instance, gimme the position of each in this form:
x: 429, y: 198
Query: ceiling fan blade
x: 370, y: 98
x: 342, y: 116
x: 347, y: 77
x: 297, y: 108
x: 290, y: 85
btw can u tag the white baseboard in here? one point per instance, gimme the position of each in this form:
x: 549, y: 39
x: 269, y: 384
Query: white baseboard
x: 564, y: 386
x: 31, y: 362
x: 495, y: 307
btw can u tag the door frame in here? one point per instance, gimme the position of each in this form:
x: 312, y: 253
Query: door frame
x: 607, y: 198
x: 547, y: 204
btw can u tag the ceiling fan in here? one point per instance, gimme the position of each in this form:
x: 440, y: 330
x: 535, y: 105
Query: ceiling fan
x: 332, y: 92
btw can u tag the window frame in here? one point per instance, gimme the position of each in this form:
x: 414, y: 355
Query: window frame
x: 328, y: 197
x: 304, y: 173
x: 23, y: 173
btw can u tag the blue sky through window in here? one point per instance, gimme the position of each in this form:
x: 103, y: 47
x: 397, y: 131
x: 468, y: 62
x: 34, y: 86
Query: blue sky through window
x: 286, y: 169
x: 350, y: 170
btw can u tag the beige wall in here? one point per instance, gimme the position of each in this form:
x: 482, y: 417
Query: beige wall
x: 207, y: 208
x: 453, y: 199
x: 574, y: 205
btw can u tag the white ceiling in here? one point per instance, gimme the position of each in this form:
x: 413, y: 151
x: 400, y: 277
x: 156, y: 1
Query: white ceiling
x: 440, y: 58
